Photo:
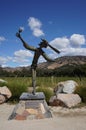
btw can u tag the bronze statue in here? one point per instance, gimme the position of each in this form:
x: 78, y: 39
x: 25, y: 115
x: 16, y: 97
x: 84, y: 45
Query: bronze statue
x: 37, y: 53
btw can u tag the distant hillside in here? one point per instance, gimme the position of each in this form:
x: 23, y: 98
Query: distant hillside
x: 59, y: 63
x: 63, y: 66
x: 63, y: 61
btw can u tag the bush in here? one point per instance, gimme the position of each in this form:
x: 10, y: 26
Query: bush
x: 81, y: 90
x: 47, y: 91
x: 17, y: 87
x: 3, y: 84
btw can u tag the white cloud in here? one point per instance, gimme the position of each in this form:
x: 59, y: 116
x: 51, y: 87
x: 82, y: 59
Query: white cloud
x: 24, y: 65
x: 23, y: 53
x: 70, y: 46
x: 60, y: 42
x: 20, y: 60
x: 73, y: 51
x: 37, y: 32
x: 4, y: 60
x: 41, y: 59
x: 34, y: 23
x: 2, y: 39
x: 35, y: 26
x: 69, y: 52
x: 77, y: 40
x: 50, y: 55
x: 22, y: 57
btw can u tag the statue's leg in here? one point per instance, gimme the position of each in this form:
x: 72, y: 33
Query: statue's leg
x: 34, y: 81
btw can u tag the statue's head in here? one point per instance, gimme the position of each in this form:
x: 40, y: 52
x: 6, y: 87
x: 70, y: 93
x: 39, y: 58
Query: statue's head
x: 43, y: 43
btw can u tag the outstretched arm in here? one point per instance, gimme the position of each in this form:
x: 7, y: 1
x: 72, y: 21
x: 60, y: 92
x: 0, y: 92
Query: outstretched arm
x: 47, y: 58
x: 57, y: 51
x: 24, y: 43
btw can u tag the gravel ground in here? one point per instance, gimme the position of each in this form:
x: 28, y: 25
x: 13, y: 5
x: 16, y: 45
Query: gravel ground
x: 63, y: 119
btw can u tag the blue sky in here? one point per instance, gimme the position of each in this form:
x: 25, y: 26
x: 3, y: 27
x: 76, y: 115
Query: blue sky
x: 61, y: 22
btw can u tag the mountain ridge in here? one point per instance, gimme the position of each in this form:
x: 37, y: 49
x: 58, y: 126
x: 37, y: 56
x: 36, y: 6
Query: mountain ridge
x: 65, y: 60
x: 59, y: 62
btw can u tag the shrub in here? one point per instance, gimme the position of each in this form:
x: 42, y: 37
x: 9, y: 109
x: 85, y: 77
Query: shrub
x: 17, y: 87
x: 3, y: 84
x: 81, y: 90
x: 47, y: 91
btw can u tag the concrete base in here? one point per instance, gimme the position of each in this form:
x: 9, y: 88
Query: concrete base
x: 30, y: 109
x: 30, y: 96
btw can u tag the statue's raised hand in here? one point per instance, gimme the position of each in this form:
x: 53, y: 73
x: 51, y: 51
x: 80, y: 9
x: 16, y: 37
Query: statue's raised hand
x: 18, y: 34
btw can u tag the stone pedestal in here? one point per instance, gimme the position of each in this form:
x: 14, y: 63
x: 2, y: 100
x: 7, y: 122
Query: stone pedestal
x: 31, y: 107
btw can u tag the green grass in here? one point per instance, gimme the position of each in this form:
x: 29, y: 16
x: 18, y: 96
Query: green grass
x: 81, y: 90
x: 18, y: 85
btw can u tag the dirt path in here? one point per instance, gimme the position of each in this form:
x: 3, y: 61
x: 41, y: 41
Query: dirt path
x: 63, y: 119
